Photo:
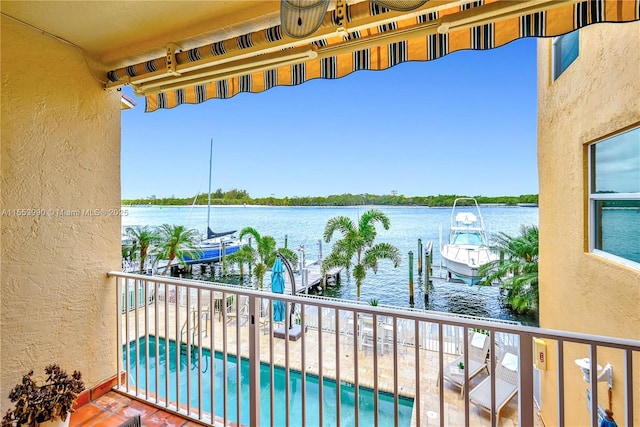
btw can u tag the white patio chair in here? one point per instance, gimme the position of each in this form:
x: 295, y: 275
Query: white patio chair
x: 406, y: 334
x: 346, y: 327
x: 384, y: 333
x: 478, y: 349
x: 238, y: 311
x: 506, y: 379
x: 264, y: 320
x: 328, y: 319
x: 365, y: 331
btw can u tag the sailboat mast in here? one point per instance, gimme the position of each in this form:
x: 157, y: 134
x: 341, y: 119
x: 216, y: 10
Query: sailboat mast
x: 209, y: 195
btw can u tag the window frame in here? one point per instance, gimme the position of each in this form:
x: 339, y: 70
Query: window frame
x: 593, y: 198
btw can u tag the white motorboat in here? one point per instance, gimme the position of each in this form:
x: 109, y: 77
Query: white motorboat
x: 467, y: 249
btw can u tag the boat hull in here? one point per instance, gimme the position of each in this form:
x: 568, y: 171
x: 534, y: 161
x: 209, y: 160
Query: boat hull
x: 464, y: 262
x: 212, y: 253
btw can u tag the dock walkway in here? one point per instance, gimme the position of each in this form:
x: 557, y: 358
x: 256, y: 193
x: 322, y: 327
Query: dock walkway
x: 312, y: 276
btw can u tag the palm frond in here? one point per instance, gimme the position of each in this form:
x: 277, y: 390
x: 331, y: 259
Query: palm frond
x: 356, y: 247
x: 333, y: 260
x: 342, y: 224
x: 374, y: 254
x: 243, y: 255
x: 518, y: 271
x: 249, y: 231
x: 290, y: 255
x: 176, y: 241
x: 374, y: 215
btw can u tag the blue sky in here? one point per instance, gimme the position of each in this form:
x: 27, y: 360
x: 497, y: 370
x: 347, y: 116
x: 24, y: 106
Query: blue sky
x: 463, y: 124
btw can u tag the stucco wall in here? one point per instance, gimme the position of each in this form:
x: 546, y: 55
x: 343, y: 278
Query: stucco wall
x: 599, y: 94
x: 60, y: 153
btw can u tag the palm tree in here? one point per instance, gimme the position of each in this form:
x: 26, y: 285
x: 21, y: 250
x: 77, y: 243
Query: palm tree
x: 175, y: 242
x: 143, y: 238
x: 265, y: 253
x: 357, y: 245
x: 242, y: 256
x: 518, y: 272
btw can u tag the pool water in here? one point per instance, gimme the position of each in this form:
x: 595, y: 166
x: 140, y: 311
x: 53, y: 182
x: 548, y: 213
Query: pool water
x: 347, y: 403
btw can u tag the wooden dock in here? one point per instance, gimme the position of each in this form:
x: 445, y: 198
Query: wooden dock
x: 312, y: 277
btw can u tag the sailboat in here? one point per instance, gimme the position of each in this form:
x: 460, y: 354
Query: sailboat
x: 467, y: 249
x: 215, y: 245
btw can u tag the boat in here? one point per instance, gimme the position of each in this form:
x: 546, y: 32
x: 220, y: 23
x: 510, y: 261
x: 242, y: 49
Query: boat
x: 212, y: 248
x: 467, y: 249
x: 215, y: 245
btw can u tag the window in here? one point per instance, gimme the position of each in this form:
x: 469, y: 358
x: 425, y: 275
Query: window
x: 614, y: 166
x: 565, y: 50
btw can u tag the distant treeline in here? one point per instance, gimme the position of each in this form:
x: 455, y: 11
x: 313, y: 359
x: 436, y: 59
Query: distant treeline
x: 241, y: 197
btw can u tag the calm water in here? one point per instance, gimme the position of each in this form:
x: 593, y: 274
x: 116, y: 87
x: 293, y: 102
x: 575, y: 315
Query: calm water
x: 305, y: 226
x: 347, y: 400
x: 621, y: 233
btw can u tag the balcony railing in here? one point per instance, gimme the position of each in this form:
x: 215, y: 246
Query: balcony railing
x: 210, y: 352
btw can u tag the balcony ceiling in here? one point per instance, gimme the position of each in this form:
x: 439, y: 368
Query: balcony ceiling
x: 120, y: 33
x: 176, y: 52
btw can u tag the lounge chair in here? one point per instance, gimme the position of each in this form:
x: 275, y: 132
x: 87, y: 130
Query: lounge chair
x: 478, y: 349
x: 506, y: 377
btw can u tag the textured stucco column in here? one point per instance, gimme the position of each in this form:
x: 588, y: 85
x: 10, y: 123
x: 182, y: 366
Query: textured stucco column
x: 60, y: 160
x: 596, y: 96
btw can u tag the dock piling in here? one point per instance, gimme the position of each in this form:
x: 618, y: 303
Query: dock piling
x: 411, y: 301
x: 419, y: 257
x: 428, y: 260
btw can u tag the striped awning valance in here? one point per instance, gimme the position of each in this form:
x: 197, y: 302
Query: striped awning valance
x: 363, y: 36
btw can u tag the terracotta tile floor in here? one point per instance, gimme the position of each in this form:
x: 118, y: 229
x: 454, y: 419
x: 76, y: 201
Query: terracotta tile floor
x: 112, y: 409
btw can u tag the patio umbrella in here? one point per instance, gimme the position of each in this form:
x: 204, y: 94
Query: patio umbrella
x: 277, y: 285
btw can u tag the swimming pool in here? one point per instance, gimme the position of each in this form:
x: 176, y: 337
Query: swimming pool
x: 347, y: 404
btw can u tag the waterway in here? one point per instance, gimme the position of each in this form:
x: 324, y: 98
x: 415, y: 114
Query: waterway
x: 304, y: 227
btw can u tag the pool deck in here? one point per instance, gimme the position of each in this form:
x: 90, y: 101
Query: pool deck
x: 403, y: 365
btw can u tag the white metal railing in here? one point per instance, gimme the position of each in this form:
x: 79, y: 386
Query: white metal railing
x: 180, y: 341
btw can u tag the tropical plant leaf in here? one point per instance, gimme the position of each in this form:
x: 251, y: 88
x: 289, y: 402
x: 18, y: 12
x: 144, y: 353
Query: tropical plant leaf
x: 518, y: 268
x: 176, y: 242
x: 356, y: 250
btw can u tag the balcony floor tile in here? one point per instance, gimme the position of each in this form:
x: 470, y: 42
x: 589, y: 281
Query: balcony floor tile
x: 112, y: 409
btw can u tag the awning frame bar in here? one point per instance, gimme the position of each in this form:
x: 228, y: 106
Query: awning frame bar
x: 495, y: 12
x: 326, y: 30
x: 288, y: 51
x: 244, y: 66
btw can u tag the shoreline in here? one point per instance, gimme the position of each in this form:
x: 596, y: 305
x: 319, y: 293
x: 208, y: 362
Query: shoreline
x: 497, y: 205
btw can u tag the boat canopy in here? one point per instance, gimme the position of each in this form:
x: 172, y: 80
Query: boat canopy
x: 466, y: 218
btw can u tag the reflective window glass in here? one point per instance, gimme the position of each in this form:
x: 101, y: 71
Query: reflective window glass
x: 566, y: 49
x: 617, y: 162
x: 615, y: 196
